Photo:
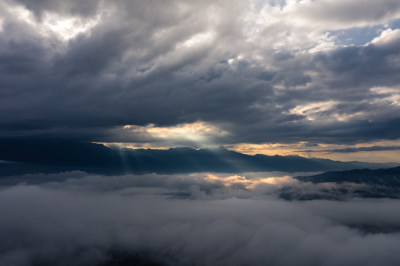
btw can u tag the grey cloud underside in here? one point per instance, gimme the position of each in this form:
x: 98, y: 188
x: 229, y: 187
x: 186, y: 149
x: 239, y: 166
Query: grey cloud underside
x: 350, y: 150
x: 131, y: 69
x: 89, y: 220
x: 358, y: 11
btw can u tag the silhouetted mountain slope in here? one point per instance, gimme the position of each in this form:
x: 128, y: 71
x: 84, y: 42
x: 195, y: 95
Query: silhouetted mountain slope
x: 386, y: 177
x: 59, y: 155
x: 379, y: 183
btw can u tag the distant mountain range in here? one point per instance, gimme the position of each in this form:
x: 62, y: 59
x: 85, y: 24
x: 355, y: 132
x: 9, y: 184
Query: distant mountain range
x: 33, y: 156
x: 366, y: 183
x: 383, y: 177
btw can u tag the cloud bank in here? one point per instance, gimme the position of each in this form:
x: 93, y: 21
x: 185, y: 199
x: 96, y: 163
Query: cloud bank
x: 250, y: 71
x: 95, y: 220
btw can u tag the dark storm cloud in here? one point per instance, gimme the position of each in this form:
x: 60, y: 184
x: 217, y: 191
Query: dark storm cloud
x: 86, y: 8
x: 96, y: 219
x: 363, y: 67
x: 175, y: 62
x: 346, y: 76
x: 90, y: 84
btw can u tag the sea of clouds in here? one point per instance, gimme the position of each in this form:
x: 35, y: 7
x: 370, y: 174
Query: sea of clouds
x: 74, y: 218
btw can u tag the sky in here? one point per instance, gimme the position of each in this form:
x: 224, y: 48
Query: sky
x: 312, y: 78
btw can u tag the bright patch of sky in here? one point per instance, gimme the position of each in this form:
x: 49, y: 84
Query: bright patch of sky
x: 361, y: 35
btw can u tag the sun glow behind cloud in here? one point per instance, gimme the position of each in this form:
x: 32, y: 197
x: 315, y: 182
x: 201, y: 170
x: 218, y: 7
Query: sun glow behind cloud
x: 53, y: 25
x: 196, y: 134
x: 204, y: 135
x: 66, y: 28
x: 197, y: 131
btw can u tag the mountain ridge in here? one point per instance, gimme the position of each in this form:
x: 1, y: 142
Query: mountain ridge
x: 68, y: 155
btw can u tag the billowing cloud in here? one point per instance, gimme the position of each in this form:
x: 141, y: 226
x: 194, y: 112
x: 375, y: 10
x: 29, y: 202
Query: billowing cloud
x: 260, y: 71
x: 95, y: 220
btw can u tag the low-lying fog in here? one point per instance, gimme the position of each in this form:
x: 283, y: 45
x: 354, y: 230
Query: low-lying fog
x: 198, y: 219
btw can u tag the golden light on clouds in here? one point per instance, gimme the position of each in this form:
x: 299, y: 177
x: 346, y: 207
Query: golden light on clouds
x: 197, y: 131
x: 198, y: 134
x: 249, y: 184
x: 389, y: 153
x: 268, y: 148
x: 367, y: 156
x: 205, y: 135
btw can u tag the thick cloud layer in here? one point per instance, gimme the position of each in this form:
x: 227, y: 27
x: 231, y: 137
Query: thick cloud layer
x: 263, y: 71
x: 95, y: 220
